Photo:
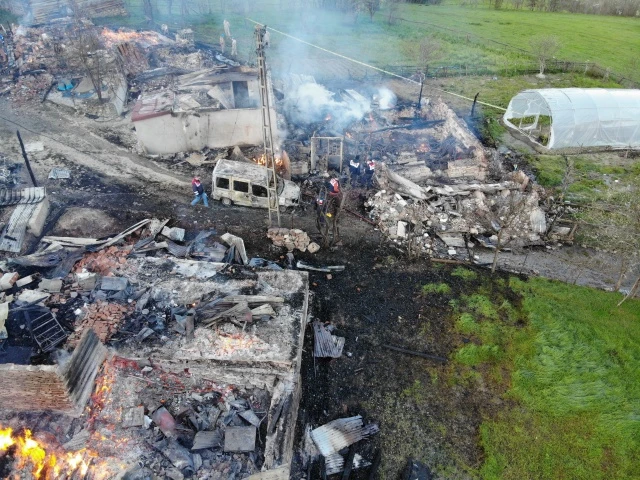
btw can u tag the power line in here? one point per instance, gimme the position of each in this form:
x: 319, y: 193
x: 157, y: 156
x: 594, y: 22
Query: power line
x: 377, y: 68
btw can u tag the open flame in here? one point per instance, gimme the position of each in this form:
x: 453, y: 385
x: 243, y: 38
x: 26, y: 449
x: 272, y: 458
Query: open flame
x: 262, y: 160
x: 44, y: 464
x: 348, y: 135
x: 100, y: 396
x: 112, y: 38
x: 328, y: 117
x: 423, y: 148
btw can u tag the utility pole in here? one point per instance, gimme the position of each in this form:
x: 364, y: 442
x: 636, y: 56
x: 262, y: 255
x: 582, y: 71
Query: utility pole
x: 267, y: 131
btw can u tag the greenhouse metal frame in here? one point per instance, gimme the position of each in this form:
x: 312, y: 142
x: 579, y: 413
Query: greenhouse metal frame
x: 578, y: 117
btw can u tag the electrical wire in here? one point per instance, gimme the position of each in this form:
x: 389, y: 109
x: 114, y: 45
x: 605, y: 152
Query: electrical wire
x: 377, y: 68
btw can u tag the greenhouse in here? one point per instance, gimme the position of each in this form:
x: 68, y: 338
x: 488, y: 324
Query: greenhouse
x: 559, y: 118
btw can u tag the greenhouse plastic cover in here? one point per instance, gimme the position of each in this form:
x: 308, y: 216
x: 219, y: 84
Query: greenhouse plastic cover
x: 582, y: 117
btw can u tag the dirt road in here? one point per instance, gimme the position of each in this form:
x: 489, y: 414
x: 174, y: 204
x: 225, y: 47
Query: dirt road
x: 73, y: 137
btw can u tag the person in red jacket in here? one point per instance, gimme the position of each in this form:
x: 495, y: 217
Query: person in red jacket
x: 198, y: 191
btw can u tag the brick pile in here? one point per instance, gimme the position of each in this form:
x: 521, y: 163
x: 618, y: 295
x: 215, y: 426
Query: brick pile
x: 105, y: 262
x: 290, y: 238
x: 104, y: 317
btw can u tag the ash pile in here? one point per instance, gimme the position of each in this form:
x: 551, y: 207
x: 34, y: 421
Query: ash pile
x: 155, y: 351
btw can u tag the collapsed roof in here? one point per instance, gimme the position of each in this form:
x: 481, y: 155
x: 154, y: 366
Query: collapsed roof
x: 577, y: 117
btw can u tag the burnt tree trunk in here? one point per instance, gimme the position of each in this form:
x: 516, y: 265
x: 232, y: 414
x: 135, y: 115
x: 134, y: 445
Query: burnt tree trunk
x: 495, y: 254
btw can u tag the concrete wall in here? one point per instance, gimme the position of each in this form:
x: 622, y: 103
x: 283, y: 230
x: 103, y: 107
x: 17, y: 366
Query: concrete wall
x: 180, y: 132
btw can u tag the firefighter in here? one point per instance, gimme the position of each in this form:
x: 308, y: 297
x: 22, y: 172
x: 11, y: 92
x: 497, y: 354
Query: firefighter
x: 369, y: 170
x: 354, y: 167
x: 333, y: 187
x: 222, y: 43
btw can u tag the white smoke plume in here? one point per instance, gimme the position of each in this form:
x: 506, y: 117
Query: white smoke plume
x: 386, y: 98
x: 312, y: 102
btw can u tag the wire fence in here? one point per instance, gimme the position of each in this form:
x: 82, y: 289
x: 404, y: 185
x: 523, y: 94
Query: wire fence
x: 509, y: 69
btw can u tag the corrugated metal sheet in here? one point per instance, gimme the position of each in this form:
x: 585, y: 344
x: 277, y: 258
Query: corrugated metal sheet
x: 333, y: 463
x: 176, y: 250
x: 325, y: 344
x: 15, y: 231
x: 340, y: 433
x: 11, y: 196
x: 26, y: 200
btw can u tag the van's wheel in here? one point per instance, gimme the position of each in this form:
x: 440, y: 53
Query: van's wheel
x: 227, y: 202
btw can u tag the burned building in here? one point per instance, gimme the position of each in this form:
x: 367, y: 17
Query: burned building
x: 212, y: 108
x: 207, y: 353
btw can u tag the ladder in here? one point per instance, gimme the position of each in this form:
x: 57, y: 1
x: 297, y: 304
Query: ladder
x: 267, y: 132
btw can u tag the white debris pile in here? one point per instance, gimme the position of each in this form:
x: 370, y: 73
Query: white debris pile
x: 291, y: 238
x: 403, y: 221
x: 458, y: 214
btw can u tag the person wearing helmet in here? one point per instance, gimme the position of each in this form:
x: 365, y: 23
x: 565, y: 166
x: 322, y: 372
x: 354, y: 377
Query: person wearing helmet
x: 198, y: 191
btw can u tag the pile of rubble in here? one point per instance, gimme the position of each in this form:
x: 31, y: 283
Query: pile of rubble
x: 207, y: 432
x: 104, y: 262
x: 455, y: 214
x: 105, y: 318
x: 292, y: 239
x: 204, y: 380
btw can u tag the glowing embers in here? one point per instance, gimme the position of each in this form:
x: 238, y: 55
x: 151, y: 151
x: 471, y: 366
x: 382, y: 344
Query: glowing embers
x: 423, y: 148
x: 227, y: 345
x: 112, y: 38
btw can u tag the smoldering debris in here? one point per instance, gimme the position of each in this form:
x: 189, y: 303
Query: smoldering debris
x: 311, y: 102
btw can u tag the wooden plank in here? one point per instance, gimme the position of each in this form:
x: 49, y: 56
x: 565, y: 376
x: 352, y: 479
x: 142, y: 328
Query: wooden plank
x: 265, y: 309
x: 71, y: 240
x: 348, y: 463
x: 236, y: 311
x: 253, y: 299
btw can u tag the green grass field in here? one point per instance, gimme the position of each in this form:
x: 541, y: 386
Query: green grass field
x: 569, y: 361
x: 469, y: 35
x: 575, y: 379
x: 612, y: 42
